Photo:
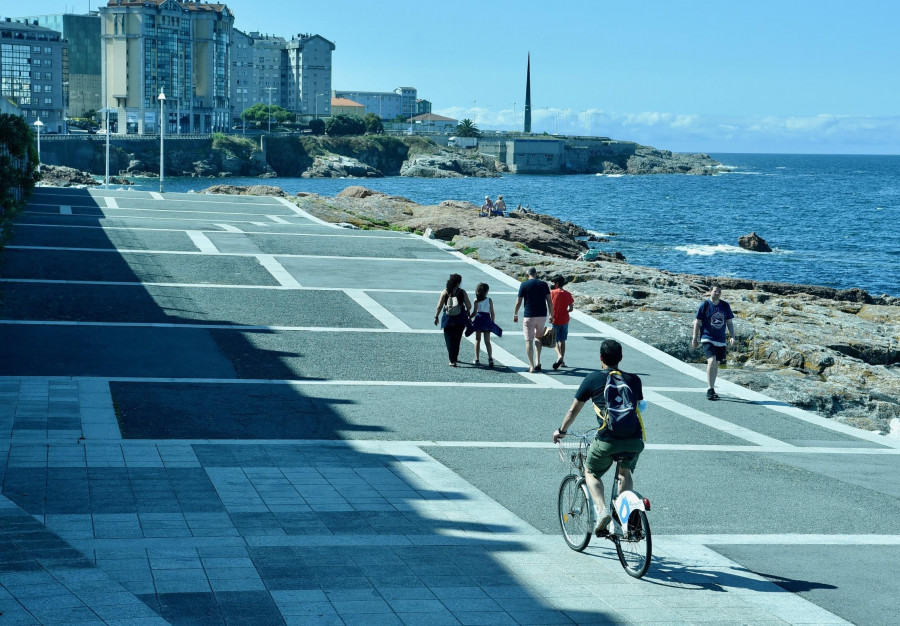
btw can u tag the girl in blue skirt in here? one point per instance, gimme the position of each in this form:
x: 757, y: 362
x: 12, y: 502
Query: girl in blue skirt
x: 483, y: 323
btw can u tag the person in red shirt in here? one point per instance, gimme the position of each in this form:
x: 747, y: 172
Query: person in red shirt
x: 563, y: 303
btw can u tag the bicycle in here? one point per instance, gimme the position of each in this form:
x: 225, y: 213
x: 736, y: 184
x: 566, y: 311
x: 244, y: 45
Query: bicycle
x: 633, y: 541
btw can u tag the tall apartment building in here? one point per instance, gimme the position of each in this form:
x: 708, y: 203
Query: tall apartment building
x: 308, y: 75
x: 179, y: 48
x: 34, y: 66
x: 295, y: 74
x: 388, y: 105
x: 82, y: 32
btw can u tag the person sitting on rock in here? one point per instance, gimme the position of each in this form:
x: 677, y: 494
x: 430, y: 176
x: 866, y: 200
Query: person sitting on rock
x: 487, y: 208
x: 499, y: 207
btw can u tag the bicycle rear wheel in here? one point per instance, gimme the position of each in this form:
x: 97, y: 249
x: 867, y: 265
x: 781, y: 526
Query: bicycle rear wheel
x: 574, y: 506
x: 635, y: 547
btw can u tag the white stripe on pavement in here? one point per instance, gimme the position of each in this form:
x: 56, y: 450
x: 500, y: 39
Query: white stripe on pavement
x: 156, y: 195
x: 110, y: 202
x: 202, y: 242
x: 276, y: 269
x: 226, y: 227
x: 65, y: 210
x: 189, y: 253
x: 376, y: 310
x: 277, y: 219
x: 708, y: 420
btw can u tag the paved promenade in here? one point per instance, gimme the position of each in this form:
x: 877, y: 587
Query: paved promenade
x: 219, y: 410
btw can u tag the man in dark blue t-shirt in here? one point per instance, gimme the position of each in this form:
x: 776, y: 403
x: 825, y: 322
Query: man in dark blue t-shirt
x: 535, y: 294
x: 713, y: 316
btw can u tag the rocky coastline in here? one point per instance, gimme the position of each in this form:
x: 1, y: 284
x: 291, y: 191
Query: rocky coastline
x: 306, y: 156
x: 833, y: 352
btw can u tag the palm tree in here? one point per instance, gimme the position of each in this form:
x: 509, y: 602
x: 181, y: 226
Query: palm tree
x: 467, y: 128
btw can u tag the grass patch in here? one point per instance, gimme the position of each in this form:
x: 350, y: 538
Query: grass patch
x: 469, y: 250
x: 522, y: 246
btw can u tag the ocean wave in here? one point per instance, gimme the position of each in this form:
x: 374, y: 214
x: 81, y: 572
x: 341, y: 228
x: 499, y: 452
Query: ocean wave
x: 707, y: 250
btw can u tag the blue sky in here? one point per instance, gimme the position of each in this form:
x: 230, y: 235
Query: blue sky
x: 763, y: 76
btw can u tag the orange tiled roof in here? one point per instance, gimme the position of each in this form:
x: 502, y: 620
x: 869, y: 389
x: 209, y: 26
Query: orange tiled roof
x: 344, y: 102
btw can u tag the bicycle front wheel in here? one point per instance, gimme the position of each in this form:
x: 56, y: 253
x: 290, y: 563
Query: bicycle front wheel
x: 574, y: 507
x: 635, y: 547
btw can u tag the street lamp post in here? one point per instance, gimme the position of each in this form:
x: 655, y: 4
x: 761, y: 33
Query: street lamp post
x: 38, y: 124
x: 162, y: 135
x: 106, y: 110
x: 270, y: 107
x: 318, y: 95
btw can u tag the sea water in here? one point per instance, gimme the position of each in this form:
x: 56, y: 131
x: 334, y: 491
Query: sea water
x: 832, y: 220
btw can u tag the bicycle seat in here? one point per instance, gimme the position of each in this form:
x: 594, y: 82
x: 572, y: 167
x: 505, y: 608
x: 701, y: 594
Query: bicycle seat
x: 623, y: 456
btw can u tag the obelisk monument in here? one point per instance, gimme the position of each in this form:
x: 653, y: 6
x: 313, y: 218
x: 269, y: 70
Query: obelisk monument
x: 528, y: 96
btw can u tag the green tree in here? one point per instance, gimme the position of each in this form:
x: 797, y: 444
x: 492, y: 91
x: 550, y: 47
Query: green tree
x: 467, y: 128
x: 259, y: 114
x: 373, y: 124
x: 18, y: 162
x: 342, y: 125
x: 317, y: 126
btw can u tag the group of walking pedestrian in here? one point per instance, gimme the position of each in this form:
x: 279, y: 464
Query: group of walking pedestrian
x: 457, y: 315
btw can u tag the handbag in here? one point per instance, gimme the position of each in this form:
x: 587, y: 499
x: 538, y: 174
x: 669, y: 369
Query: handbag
x: 548, y: 339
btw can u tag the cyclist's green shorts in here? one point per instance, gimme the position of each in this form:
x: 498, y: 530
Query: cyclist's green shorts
x: 600, y: 454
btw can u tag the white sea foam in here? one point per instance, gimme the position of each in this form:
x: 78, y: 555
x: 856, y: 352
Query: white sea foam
x: 615, y: 175
x: 707, y: 250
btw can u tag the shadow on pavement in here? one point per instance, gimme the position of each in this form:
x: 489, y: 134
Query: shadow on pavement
x: 242, y: 532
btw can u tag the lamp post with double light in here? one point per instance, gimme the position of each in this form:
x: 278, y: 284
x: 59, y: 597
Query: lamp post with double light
x: 38, y: 125
x: 162, y: 134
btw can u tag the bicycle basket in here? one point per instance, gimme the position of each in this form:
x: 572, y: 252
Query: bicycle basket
x: 573, y: 448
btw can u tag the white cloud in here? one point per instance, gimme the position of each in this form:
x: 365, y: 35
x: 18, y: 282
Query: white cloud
x: 821, y: 133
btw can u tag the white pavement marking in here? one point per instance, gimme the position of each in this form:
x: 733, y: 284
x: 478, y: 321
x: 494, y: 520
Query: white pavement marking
x: 202, y: 242
x: 284, y: 278
x: 277, y: 219
x: 344, y: 234
x: 110, y: 202
x: 713, y: 422
x: 65, y: 210
x: 784, y: 539
x: 188, y: 253
x: 156, y: 195
x: 390, y: 321
x: 513, y: 362
x: 293, y: 207
x: 209, y: 285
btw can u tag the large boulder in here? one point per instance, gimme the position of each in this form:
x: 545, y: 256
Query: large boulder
x: 251, y: 190
x: 337, y: 166
x: 754, y: 243
x: 61, y: 176
x: 445, y: 165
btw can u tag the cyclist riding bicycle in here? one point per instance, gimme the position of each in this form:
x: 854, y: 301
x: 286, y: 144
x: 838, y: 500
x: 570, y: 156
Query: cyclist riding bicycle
x: 618, y: 400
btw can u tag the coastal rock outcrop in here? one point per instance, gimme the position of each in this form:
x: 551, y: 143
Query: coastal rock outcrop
x: 337, y: 166
x: 754, y: 243
x: 250, y: 190
x: 445, y: 165
x: 62, y: 176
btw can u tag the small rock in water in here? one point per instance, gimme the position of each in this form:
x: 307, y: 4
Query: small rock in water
x: 754, y: 243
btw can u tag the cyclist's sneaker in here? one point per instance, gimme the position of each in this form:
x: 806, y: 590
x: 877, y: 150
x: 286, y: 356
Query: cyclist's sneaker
x: 601, y: 528
x: 711, y: 394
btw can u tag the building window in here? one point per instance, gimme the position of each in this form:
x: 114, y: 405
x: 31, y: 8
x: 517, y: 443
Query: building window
x: 48, y: 50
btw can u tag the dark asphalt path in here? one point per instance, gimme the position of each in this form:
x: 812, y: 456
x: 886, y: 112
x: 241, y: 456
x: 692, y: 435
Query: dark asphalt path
x: 239, y: 319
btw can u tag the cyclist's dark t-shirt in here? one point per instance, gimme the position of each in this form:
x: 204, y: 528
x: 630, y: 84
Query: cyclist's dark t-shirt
x: 534, y: 294
x: 594, y: 383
